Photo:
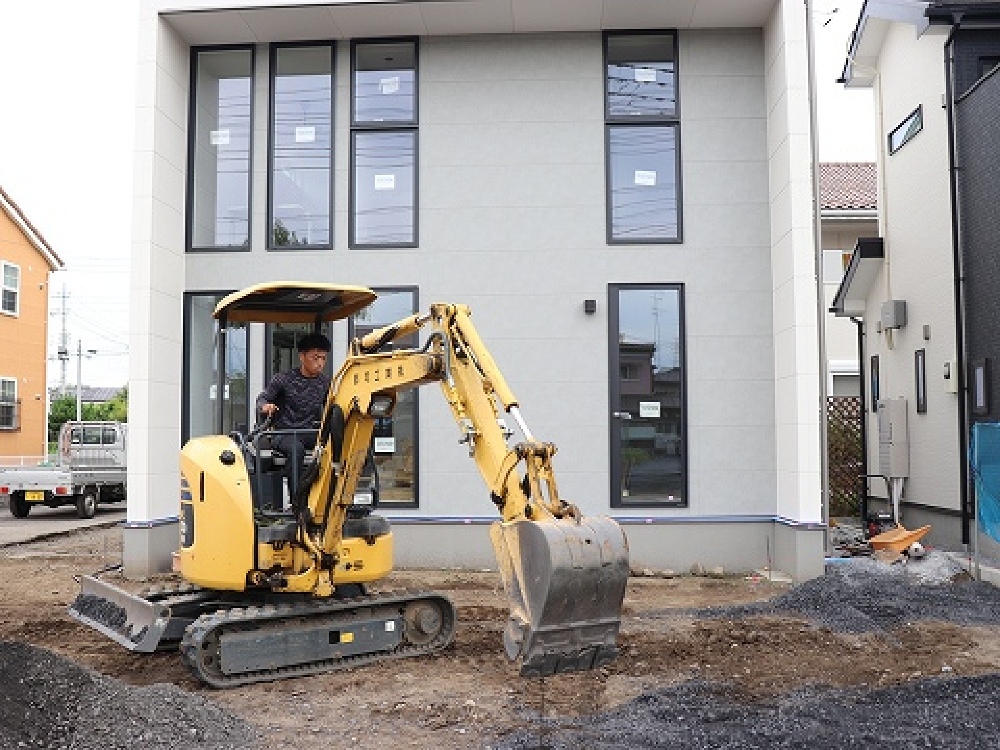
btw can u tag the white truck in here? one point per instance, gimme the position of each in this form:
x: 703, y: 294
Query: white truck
x: 91, y: 469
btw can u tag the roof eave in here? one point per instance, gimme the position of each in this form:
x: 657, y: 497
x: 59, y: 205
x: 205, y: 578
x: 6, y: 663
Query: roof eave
x: 34, y: 236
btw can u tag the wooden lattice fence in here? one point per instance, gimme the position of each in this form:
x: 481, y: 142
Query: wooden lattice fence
x: 844, y: 453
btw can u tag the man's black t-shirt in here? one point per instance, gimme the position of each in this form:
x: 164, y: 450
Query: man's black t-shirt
x: 300, y: 400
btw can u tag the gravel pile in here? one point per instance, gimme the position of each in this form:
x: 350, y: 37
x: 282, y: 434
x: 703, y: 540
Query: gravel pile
x: 862, y: 595
x: 49, y: 702
x: 945, y: 714
x: 858, y: 595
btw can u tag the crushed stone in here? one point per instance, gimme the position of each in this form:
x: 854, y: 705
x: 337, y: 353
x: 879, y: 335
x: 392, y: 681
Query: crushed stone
x: 946, y: 713
x: 864, y: 595
x: 941, y: 713
x: 47, y: 701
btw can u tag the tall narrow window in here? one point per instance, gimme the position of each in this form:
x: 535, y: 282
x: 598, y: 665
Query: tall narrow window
x: 643, y: 127
x: 920, y: 375
x: 202, y: 361
x: 301, y: 147
x: 383, y: 211
x: 9, y: 416
x: 874, y: 382
x: 395, y: 438
x: 647, y: 384
x: 219, y: 158
x: 10, y: 302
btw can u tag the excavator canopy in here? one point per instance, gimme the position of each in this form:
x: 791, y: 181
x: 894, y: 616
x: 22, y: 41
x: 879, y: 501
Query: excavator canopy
x: 293, y: 302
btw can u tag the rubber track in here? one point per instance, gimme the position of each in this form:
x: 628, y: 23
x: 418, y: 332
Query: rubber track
x: 237, y: 618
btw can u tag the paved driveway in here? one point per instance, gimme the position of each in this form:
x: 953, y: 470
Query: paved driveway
x: 44, y: 522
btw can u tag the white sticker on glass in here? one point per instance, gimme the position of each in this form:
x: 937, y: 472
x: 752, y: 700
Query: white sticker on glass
x: 649, y: 409
x: 645, y: 75
x: 645, y: 177
x: 385, y: 445
x: 219, y: 137
x: 385, y: 182
x: 388, y: 85
x: 305, y: 134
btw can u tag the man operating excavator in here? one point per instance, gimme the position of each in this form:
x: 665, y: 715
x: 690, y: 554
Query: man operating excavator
x: 294, y: 401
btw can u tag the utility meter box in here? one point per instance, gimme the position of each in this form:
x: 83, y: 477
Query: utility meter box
x: 893, y: 443
x: 894, y: 313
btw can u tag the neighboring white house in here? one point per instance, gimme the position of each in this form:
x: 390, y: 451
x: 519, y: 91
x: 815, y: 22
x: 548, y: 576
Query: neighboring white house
x: 848, y: 211
x: 622, y: 191
x: 927, y: 287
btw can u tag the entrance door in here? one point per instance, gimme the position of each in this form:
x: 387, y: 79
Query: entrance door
x: 648, y: 436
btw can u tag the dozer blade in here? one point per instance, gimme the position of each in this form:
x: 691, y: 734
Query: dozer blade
x: 134, y: 622
x: 565, y: 581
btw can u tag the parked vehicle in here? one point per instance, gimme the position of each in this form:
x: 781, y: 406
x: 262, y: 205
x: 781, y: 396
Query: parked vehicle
x: 91, y: 469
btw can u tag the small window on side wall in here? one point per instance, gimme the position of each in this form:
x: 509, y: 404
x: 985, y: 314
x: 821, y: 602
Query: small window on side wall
x: 9, y: 303
x: 873, y: 374
x: 979, y: 387
x: 920, y: 375
x: 906, y: 130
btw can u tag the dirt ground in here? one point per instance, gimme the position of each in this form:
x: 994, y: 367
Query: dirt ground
x: 469, y: 696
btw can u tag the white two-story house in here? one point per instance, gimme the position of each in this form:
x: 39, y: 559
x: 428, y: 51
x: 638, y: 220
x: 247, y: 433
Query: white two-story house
x: 622, y: 191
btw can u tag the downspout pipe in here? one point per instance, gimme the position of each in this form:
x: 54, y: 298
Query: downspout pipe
x: 821, y: 310
x: 863, y: 420
x: 959, y: 290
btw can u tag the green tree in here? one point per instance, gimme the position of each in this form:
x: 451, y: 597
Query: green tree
x: 63, y: 409
x: 283, y: 236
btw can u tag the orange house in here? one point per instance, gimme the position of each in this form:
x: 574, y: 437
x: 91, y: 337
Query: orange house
x: 26, y: 260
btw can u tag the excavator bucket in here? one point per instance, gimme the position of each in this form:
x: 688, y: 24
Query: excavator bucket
x: 137, y: 624
x: 565, y: 580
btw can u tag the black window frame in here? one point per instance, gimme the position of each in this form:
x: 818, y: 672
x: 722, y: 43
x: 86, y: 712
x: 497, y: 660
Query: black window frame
x: 614, y: 369
x: 661, y: 121
x: 920, y: 378
x: 874, y: 382
x: 383, y: 126
x: 918, y: 113
x: 192, y: 134
x: 273, y: 50
x: 415, y: 291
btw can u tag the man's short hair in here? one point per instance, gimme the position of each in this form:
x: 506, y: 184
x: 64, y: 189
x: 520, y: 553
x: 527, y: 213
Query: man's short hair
x: 313, y: 341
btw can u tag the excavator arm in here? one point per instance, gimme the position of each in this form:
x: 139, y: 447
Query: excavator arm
x: 564, y: 573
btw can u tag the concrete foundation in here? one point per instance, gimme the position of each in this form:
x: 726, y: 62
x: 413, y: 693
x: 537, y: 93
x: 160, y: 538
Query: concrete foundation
x: 738, y: 547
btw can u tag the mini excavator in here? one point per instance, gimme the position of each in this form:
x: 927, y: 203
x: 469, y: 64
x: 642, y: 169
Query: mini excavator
x: 273, y: 589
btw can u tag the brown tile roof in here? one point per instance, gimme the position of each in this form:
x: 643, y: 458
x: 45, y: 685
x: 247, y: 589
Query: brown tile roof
x: 848, y: 186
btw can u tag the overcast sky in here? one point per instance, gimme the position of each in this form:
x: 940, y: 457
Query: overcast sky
x: 67, y: 134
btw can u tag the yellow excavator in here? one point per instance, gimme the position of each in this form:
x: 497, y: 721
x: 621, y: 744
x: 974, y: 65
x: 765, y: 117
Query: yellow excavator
x: 276, y: 587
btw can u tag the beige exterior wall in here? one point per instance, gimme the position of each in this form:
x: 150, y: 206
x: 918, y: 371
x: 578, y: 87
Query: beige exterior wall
x: 916, y: 222
x: 23, y: 340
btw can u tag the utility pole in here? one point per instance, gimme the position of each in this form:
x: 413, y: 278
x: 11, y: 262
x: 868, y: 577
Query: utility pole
x: 63, y: 351
x: 79, y: 378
